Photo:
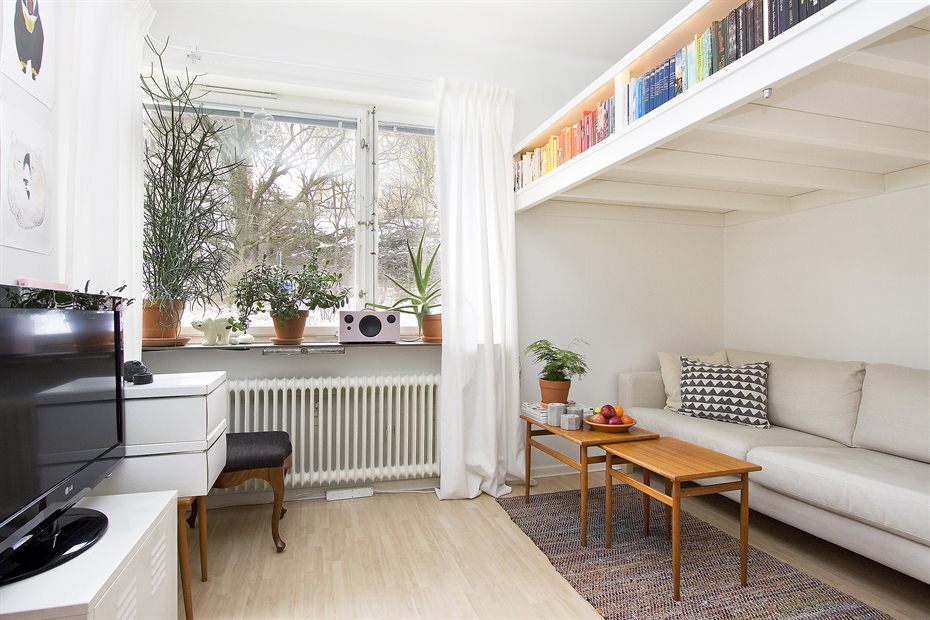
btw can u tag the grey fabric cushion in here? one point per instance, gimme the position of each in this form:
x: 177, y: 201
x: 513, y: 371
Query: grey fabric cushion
x: 734, y: 394
x: 256, y: 450
x: 814, y: 396
x: 726, y: 438
x: 670, y: 366
x: 888, y: 492
x: 894, y: 415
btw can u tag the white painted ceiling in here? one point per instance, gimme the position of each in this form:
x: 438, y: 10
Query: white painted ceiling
x: 545, y: 50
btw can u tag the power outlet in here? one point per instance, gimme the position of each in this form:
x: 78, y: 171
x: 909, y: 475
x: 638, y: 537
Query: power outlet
x: 353, y: 493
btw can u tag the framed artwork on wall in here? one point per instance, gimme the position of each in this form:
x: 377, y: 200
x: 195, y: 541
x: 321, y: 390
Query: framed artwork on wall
x: 27, y: 206
x: 28, y: 46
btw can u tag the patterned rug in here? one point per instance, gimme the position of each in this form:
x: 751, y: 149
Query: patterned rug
x: 633, y: 580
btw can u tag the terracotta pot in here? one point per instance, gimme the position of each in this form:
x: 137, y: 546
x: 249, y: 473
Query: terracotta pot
x: 432, y: 328
x: 554, y: 391
x: 290, y: 331
x: 161, y: 321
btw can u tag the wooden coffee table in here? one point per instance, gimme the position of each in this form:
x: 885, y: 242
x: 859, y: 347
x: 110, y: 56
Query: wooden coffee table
x: 584, y: 439
x: 678, y: 461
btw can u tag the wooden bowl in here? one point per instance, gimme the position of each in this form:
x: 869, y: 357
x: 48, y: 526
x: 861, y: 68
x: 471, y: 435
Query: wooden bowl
x: 608, y: 428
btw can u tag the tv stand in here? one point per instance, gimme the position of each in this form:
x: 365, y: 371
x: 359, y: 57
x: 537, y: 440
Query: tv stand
x: 131, y: 571
x: 71, y: 534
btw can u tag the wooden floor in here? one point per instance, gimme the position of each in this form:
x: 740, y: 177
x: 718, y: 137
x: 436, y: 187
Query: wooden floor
x: 412, y: 556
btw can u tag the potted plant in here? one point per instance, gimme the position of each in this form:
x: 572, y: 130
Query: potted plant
x: 288, y: 296
x: 559, y: 366
x: 186, y: 236
x: 422, y: 301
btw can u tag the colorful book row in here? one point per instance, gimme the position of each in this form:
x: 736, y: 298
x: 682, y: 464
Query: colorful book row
x: 724, y: 42
x: 595, y: 125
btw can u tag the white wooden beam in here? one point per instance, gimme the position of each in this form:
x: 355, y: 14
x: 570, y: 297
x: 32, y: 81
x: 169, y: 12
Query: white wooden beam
x: 906, y: 52
x: 641, y: 194
x: 769, y: 122
x: 738, y: 169
x: 907, y: 178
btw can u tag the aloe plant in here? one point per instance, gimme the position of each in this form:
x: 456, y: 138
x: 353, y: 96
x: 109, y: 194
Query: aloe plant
x: 419, y: 302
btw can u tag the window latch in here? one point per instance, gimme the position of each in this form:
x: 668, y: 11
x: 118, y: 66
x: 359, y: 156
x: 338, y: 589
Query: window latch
x: 364, y: 143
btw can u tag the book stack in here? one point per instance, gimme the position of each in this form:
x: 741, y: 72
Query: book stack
x: 534, y: 411
x: 783, y: 14
x: 722, y: 43
x: 593, y: 127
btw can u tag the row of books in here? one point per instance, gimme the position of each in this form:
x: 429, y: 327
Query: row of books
x: 595, y: 125
x: 724, y: 42
x: 784, y: 14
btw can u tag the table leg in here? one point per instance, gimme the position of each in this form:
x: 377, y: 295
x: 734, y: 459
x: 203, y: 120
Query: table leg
x: 647, y: 476
x: 183, y: 561
x: 584, y: 496
x: 668, y: 511
x: 608, y: 502
x: 527, y: 457
x: 676, y: 540
x: 744, y: 530
x: 202, y: 517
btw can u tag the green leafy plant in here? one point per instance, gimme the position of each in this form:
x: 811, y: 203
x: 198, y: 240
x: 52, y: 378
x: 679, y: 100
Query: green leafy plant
x: 285, y: 293
x: 558, y: 364
x: 419, y: 302
x: 186, y: 239
x: 24, y: 297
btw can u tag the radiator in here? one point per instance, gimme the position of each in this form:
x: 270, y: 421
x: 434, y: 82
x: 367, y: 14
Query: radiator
x: 344, y: 430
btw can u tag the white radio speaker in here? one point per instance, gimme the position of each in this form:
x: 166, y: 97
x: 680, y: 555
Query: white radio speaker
x: 369, y: 326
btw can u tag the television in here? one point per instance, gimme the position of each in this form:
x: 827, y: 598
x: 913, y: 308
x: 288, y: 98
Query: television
x: 61, y: 404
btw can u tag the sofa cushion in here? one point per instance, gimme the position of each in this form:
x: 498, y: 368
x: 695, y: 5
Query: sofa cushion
x: 670, y: 365
x: 889, y: 492
x: 734, y: 394
x: 727, y: 438
x: 820, y: 397
x: 894, y: 415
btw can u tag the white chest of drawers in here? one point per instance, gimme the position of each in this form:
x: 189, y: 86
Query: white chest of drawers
x: 175, y: 435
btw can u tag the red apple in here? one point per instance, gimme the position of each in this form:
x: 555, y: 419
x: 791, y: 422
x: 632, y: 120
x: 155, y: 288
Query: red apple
x: 607, y: 411
x: 599, y: 419
x: 615, y: 420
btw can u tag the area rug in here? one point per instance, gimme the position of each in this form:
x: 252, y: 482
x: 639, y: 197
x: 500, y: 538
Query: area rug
x: 633, y: 580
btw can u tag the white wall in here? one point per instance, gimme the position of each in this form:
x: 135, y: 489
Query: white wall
x: 626, y: 280
x: 850, y: 281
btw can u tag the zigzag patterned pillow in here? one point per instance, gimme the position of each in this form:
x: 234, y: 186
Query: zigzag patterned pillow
x: 725, y: 393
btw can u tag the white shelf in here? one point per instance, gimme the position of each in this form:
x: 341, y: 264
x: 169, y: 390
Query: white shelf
x: 849, y: 117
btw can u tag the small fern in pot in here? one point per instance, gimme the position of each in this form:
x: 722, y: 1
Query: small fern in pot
x: 559, y: 366
x: 288, y: 296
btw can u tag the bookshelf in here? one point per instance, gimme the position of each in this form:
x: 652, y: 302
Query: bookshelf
x: 848, y: 116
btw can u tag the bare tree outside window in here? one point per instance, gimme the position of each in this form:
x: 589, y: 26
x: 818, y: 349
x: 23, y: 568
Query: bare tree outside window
x: 297, y: 194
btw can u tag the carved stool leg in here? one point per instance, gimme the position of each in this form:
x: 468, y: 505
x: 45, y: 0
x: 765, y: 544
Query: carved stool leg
x: 276, y: 479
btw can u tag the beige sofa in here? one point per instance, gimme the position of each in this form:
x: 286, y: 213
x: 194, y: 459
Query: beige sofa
x: 847, y: 457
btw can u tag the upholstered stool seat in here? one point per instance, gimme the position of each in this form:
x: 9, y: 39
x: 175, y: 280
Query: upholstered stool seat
x: 262, y: 454
x: 256, y: 450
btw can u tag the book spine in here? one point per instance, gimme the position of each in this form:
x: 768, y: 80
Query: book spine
x: 758, y: 20
x: 782, y: 16
x: 679, y: 72
x: 792, y: 13
x: 773, y: 18
x: 802, y: 10
x: 741, y: 29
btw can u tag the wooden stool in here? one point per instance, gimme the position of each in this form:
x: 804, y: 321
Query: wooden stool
x: 263, y: 454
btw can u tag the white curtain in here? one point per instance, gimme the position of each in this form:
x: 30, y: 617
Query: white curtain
x: 481, y: 438
x: 101, y: 121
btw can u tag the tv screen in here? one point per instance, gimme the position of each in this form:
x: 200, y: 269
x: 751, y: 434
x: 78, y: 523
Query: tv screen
x: 60, y: 410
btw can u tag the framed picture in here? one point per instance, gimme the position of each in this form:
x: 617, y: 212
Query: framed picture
x: 28, y: 46
x: 27, y: 206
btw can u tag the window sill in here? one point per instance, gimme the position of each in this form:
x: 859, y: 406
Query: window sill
x: 308, y: 346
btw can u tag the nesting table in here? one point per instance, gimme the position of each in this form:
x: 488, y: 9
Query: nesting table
x: 678, y: 461
x: 584, y: 439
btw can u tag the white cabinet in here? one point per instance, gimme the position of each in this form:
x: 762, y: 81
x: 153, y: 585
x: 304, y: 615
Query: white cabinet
x: 131, y: 572
x: 175, y: 434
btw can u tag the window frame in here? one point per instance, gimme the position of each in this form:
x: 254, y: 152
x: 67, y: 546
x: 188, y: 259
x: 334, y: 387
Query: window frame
x: 403, y: 113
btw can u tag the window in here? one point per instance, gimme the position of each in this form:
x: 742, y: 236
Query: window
x: 406, y: 208
x: 305, y: 187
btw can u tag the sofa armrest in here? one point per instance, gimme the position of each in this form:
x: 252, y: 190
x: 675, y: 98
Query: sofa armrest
x: 642, y: 389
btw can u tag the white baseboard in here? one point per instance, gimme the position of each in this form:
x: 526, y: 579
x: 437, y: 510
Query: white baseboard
x: 248, y: 498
